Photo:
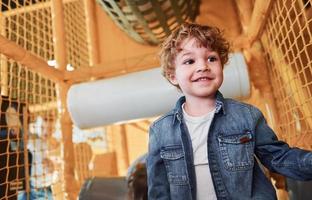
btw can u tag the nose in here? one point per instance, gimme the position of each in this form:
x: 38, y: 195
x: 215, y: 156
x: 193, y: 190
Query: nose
x: 202, y: 66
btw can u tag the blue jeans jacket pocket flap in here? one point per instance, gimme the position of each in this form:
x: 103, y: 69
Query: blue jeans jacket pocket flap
x: 173, y: 157
x: 172, y: 152
x: 236, y: 139
x: 237, y: 151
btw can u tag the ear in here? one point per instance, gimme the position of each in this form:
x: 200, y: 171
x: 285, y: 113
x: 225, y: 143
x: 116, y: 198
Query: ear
x: 173, y: 80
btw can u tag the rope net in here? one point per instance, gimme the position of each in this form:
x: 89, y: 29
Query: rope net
x: 75, y: 28
x: 31, y: 158
x: 287, y: 44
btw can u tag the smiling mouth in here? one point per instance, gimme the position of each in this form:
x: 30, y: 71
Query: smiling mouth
x: 202, y: 79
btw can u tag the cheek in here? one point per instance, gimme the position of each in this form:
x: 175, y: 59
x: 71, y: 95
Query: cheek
x: 219, y: 71
x: 183, y: 79
x: 221, y: 78
x: 178, y: 74
x: 219, y: 75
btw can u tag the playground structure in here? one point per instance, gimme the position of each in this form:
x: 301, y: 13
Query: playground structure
x: 47, y: 46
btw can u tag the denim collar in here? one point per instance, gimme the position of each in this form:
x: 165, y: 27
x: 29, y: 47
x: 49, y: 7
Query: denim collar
x: 178, y: 108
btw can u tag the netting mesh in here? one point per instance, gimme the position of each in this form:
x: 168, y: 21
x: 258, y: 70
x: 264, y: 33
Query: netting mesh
x: 75, y: 28
x: 83, y: 156
x: 288, y: 46
x: 29, y: 25
x: 31, y: 160
x: 30, y: 140
x: 27, y: 157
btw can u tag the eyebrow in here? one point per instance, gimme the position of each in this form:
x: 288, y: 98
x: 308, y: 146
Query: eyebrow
x: 185, y: 53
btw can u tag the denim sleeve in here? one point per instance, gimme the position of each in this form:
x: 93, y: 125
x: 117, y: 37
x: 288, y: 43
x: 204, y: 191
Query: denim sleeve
x: 277, y: 156
x: 158, y: 186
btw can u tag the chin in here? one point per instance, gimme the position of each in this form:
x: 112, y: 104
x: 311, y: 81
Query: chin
x: 206, y: 94
x: 209, y: 95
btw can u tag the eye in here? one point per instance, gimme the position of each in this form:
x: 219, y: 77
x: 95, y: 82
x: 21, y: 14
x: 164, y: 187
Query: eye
x: 212, y: 58
x: 188, y: 62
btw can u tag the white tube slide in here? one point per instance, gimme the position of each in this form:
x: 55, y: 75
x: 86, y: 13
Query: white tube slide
x: 141, y: 95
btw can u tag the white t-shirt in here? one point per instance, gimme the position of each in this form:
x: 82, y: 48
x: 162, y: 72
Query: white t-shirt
x: 198, y: 128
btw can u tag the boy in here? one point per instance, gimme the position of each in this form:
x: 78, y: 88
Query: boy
x: 205, y: 148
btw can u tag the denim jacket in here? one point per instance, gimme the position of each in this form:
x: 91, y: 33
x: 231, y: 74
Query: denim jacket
x: 238, y: 138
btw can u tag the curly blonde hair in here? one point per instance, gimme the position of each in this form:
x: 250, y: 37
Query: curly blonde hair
x: 206, y: 36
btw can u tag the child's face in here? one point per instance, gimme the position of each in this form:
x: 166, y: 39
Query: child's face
x: 198, y: 70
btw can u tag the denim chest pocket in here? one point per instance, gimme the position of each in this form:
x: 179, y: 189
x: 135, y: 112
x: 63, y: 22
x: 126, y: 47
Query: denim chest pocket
x: 174, y: 159
x: 237, y: 151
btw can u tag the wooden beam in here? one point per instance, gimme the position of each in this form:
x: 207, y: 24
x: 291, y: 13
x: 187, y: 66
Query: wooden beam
x: 92, y: 73
x: 31, y: 61
x: 4, y: 73
x: 124, y: 145
x: 59, y: 42
x: 92, y: 36
x: 30, y: 8
x: 51, y: 105
x: 27, y: 165
x: 244, y: 8
x: 109, y: 70
x: 59, y: 39
x: 139, y: 126
x: 258, y: 19
x: 255, y: 25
